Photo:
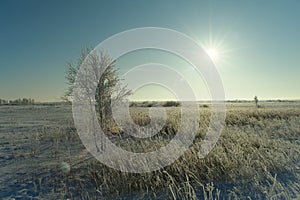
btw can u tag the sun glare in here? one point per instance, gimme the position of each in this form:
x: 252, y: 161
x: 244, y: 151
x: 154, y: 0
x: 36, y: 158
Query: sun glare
x: 216, y: 48
x: 214, y: 54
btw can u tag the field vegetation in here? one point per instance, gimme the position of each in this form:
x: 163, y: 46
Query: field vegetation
x: 256, y: 157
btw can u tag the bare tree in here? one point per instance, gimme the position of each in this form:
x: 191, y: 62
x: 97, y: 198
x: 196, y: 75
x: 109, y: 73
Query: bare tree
x: 256, y: 101
x: 105, y: 75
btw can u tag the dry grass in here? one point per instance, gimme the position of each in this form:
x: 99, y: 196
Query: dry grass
x: 256, y: 157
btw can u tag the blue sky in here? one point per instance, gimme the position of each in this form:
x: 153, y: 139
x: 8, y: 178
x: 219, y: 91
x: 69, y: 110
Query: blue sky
x: 260, y: 41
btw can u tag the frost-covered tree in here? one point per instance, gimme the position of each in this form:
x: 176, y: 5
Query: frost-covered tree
x: 256, y: 101
x: 108, y: 83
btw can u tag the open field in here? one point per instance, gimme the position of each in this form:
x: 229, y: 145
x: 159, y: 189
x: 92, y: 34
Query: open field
x: 256, y: 157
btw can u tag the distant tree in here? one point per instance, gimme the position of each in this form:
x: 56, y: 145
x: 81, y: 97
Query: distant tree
x: 107, y: 84
x: 24, y: 101
x: 16, y: 101
x: 256, y: 101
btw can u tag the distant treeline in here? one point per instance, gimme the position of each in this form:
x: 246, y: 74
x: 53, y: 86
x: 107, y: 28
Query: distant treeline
x: 159, y: 104
x: 23, y: 101
x: 155, y: 104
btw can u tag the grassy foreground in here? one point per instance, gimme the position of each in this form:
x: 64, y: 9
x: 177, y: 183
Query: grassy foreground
x: 256, y: 157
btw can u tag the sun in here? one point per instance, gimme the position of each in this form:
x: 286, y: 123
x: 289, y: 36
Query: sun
x: 217, y: 48
x: 214, y: 54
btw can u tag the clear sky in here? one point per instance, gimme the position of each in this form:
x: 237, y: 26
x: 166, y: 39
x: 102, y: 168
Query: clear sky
x: 257, y: 42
